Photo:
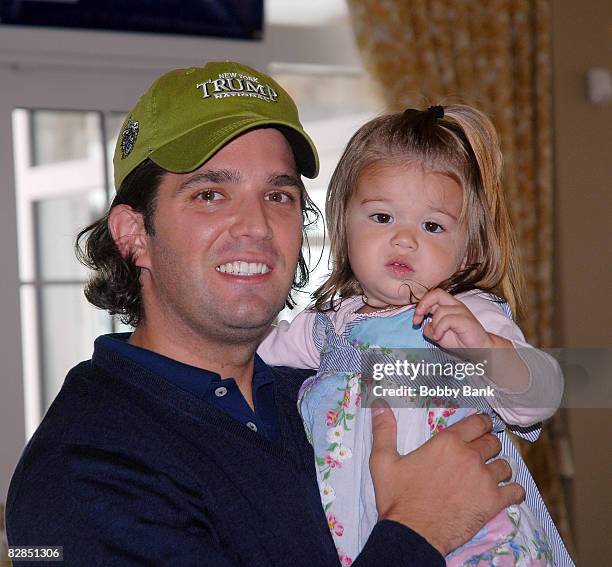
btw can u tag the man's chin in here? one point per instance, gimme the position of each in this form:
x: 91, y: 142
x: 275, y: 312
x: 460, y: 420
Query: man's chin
x: 253, y: 316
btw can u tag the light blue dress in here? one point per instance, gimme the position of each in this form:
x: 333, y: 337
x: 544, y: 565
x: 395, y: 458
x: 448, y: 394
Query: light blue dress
x: 341, y: 433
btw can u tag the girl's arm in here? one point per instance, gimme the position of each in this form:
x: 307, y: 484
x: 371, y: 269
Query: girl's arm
x: 291, y: 344
x: 544, y: 385
x: 527, y: 382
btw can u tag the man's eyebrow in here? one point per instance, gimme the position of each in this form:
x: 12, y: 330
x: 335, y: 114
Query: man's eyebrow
x: 285, y: 180
x: 210, y: 176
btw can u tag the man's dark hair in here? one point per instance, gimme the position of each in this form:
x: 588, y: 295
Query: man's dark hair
x: 115, y: 283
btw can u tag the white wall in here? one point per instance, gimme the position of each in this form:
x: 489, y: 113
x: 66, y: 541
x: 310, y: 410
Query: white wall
x: 582, y: 38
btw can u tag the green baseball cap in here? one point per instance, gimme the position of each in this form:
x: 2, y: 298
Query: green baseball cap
x: 187, y: 115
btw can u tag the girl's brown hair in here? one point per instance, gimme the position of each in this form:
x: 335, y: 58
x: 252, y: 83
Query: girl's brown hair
x: 458, y: 141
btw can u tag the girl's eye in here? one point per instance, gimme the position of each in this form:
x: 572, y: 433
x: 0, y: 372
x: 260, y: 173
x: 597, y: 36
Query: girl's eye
x: 280, y: 197
x: 209, y: 196
x: 433, y: 227
x: 382, y: 218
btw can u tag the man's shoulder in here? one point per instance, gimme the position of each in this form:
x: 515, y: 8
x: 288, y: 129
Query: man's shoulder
x: 94, y: 450
x: 89, y: 410
x: 79, y: 395
x: 91, y: 428
x: 289, y: 380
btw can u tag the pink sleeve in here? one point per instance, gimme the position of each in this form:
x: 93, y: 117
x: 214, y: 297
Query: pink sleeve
x: 541, y: 399
x: 291, y: 344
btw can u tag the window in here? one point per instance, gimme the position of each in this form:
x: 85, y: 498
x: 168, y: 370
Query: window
x: 63, y: 183
x: 331, y: 112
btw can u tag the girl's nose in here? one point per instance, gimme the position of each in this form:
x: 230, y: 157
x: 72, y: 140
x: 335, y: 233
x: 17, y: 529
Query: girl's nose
x: 405, y: 237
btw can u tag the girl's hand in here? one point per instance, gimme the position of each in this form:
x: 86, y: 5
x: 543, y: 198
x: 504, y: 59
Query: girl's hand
x: 453, y: 325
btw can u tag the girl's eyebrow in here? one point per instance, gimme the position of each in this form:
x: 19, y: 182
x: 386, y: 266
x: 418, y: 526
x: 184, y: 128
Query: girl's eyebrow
x: 375, y: 199
x: 444, y: 212
x: 433, y: 208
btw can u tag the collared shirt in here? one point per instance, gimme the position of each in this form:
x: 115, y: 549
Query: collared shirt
x: 224, y: 394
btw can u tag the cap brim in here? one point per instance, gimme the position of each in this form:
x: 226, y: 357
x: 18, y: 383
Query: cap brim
x: 190, y: 150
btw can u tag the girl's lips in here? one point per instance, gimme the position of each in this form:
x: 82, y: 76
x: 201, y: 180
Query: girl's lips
x: 399, y: 269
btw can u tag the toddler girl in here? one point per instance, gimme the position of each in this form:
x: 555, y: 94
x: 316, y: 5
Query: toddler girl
x: 423, y: 257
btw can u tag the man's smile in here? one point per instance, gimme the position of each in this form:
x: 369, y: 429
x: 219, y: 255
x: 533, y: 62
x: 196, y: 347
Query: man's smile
x: 243, y: 268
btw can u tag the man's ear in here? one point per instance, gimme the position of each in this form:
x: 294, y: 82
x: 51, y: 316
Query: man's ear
x: 127, y: 229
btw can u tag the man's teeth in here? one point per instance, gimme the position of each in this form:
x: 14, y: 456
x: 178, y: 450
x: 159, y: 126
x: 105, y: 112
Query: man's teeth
x: 239, y: 268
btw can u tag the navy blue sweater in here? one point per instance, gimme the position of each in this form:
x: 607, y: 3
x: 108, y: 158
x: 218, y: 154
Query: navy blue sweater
x: 128, y: 469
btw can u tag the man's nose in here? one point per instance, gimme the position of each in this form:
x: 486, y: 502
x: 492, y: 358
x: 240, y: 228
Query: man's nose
x: 405, y: 236
x: 251, y: 220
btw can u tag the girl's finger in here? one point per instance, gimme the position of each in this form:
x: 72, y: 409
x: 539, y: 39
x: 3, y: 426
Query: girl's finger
x: 431, y: 298
x: 451, y: 321
x: 440, y: 311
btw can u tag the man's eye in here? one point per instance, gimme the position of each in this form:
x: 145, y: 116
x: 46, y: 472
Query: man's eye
x: 433, y: 227
x: 209, y: 196
x: 382, y: 218
x: 280, y: 197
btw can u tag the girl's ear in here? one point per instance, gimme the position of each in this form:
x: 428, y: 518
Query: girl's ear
x: 126, y: 227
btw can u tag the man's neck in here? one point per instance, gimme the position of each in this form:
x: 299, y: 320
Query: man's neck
x: 229, y: 360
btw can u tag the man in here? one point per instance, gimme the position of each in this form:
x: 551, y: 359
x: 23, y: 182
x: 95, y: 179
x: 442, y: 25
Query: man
x: 177, y: 444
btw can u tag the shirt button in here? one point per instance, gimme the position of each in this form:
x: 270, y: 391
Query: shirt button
x: 220, y: 391
x: 251, y: 425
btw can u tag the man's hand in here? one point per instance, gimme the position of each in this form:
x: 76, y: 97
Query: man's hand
x: 443, y: 490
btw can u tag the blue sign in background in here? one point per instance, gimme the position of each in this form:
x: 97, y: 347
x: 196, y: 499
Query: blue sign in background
x: 221, y: 18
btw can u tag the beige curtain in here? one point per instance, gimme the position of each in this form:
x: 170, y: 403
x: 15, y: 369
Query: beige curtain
x: 495, y: 55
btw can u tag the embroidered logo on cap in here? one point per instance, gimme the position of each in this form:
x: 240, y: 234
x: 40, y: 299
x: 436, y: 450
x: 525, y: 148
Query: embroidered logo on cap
x: 128, y: 137
x: 237, y: 84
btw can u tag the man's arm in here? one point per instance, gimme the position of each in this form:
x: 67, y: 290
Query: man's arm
x: 448, y: 472
x: 105, y: 509
x: 393, y: 543
x: 104, y: 506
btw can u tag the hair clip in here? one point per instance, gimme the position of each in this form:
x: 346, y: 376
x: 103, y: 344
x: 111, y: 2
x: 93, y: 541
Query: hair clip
x: 409, y: 111
x: 437, y: 111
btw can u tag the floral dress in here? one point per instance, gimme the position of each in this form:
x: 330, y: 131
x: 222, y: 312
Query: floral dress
x: 340, y: 431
